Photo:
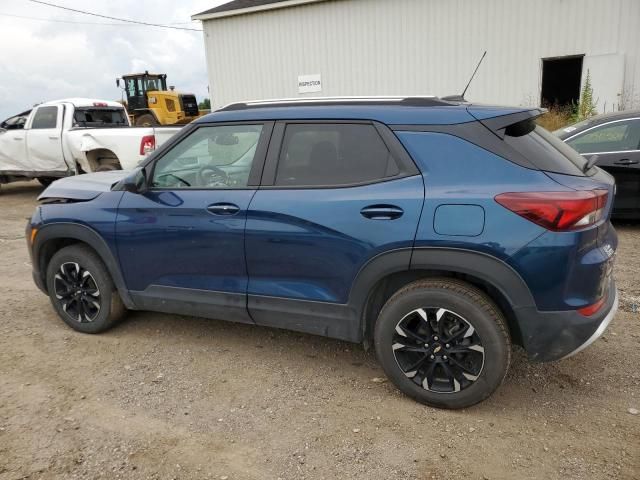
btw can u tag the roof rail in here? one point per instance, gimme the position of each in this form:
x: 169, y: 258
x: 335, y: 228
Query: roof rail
x: 415, y: 101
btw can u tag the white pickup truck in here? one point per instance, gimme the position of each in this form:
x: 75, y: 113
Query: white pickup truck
x: 72, y: 136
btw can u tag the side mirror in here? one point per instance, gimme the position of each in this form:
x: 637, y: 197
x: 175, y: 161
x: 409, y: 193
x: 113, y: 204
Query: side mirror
x: 136, y: 182
x: 118, y: 82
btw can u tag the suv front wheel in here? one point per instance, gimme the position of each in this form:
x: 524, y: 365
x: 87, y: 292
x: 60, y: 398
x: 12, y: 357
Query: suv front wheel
x: 443, y: 342
x: 82, y: 291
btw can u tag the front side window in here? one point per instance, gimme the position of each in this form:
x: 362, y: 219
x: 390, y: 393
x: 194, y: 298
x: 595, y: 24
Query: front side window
x: 333, y: 155
x: 619, y: 136
x: 45, y: 117
x: 211, y: 157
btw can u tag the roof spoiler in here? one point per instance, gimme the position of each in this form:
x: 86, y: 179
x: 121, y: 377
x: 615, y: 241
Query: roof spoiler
x: 498, y: 124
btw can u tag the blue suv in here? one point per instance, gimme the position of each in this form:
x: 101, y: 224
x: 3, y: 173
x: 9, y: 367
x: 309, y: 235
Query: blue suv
x: 441, y: 232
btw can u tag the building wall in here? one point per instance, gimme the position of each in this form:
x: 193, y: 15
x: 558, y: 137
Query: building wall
x: 412, y: 47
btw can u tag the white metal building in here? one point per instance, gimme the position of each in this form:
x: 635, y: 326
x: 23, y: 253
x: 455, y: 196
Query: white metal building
x: 538, y: 50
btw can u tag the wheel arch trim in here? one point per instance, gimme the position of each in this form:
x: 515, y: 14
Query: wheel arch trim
x: 84, y: 234
x: 482, y: 266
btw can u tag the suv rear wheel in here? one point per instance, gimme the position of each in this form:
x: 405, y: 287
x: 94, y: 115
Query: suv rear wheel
x: 443, y: 342
x: 82, y: 291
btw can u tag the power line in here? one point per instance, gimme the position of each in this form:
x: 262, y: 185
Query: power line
x: 148, y: 24
x: 59, y: 20
x: 55, y: 20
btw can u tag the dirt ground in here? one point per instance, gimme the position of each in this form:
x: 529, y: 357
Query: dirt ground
x: 172, y: 397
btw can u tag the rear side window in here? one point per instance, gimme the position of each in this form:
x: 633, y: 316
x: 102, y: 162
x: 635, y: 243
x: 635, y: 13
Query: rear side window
x: 99, y: 117
x: 333, y: 155
x: 543, y: 149
x: 45, y: 117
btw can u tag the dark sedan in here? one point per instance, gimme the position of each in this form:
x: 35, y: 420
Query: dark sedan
x: 615, y: 138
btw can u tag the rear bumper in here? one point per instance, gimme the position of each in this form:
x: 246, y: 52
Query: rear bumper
x: 549, y: 336
x: 601, y: 328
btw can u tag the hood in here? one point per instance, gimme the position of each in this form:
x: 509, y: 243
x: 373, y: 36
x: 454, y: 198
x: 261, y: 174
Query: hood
x: 83, y: 187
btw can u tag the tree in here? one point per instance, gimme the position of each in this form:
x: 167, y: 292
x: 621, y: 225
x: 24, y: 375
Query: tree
x: 205, y: 104
x: 586, y: 106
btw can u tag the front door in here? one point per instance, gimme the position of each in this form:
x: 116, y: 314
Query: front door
x: 181, y: 244
x: 44, y: 140
x: 334, y: 195
x: 617, y: 145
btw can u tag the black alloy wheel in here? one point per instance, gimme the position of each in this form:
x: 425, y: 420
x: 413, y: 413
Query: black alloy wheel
x: 438, y: 350
x: 443, y: 342
x: 82, y: 291
x: 77, y: 291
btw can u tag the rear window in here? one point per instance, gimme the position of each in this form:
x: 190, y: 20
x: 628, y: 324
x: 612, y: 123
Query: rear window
x: 100, y: 117
x: 543, y: 149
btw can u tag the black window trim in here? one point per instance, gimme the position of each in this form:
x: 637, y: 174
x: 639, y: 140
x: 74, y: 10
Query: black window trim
x: 257, y: 166
x: 406, y: 165
x: 603, y: 125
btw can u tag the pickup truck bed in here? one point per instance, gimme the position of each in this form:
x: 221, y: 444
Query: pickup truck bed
x: 53, y: 140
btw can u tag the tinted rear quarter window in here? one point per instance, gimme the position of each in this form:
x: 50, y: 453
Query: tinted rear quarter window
x: 543, y: 149
x: 333, y: 154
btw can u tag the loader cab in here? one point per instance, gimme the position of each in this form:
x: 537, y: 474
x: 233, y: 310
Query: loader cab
x: 136, y: 87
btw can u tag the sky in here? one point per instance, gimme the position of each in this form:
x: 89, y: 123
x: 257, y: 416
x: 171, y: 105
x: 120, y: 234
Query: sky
x: 45, y: 60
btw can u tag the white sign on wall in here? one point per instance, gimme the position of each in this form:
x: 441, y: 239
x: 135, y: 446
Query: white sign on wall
x: 309, y: 83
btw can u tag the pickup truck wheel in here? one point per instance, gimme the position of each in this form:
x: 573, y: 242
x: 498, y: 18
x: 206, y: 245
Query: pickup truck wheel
x: 146, y: 120
x: 107, y: 167
x: 46, y: 181
x: 443, y: 342
x: 82, y: 291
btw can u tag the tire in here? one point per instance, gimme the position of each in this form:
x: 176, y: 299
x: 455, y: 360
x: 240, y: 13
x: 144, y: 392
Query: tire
x: 46, y: 181
x: 455, y: 367
x: 107, y: 167
x: 100, y: 311
x: 146, y: 120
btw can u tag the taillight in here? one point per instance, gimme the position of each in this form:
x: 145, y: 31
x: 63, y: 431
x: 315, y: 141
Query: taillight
x: 557, y: 211
x: 592, y: 309
x: 147, y: 144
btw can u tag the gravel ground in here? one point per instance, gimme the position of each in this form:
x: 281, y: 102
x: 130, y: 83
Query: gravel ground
x: 173, y: 397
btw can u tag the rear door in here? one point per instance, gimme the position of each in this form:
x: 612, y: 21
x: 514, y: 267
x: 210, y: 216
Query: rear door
x: 44, y: 140
x: 334, y: 195
x: 617, y: 145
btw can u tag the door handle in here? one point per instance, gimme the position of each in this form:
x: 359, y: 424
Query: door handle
x: 625, y: 161
x: 223, y: 209
x: 17, y: 138
x: 53, y: 137
x: 382, y: 212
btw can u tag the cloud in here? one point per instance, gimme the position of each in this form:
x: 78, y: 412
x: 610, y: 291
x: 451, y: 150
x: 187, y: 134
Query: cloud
x: 42, y: 61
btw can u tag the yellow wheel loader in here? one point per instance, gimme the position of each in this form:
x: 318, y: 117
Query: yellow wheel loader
x: 150, y: 103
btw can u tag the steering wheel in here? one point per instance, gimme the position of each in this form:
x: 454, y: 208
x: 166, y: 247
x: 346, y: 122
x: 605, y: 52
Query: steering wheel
x: 212, y: 176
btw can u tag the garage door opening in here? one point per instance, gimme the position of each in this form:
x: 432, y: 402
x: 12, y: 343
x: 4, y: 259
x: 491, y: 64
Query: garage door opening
x: 561, y: 80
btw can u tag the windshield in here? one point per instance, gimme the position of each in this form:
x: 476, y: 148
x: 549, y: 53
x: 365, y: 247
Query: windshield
x: 100, y: 117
